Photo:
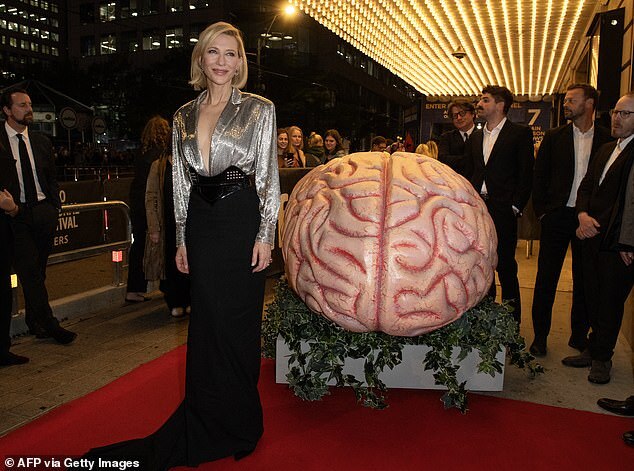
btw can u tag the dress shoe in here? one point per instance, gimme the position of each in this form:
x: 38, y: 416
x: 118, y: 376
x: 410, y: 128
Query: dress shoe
x: 580, y: 345
x: 132, y: 297
x: 600, y: 372
x: 625, y: 407
x: 538, y: 348
x: 12, y: 359
x: 628, y: 438
x: 583, y: 360
x: 62, y: 335
x: 38, y: 331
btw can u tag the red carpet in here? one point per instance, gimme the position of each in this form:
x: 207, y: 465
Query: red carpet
x: 414, y: 433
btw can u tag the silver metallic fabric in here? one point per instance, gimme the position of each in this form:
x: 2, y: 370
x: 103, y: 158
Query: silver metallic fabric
x: 245, y: 137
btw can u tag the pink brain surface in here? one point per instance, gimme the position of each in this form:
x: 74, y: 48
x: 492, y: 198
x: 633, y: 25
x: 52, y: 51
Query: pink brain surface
x: 400, y: 244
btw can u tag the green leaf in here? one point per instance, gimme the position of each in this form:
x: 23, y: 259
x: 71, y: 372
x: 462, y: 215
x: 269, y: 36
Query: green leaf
x: 319, y: 348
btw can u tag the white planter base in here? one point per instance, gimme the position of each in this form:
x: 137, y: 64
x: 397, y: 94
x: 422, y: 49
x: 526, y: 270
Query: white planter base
x: 409, y: 373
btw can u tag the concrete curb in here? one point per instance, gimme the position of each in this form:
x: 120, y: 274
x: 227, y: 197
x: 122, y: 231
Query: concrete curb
x: 76, y: 305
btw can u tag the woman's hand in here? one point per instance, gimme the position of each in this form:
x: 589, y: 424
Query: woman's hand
x: 261, y: 257
x: 155, y: 237
x: 181, y: 260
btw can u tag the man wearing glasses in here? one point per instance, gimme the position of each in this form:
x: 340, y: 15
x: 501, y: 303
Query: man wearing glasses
x: 452, y: 143
x: 562, y: 161
x: 607, y: 275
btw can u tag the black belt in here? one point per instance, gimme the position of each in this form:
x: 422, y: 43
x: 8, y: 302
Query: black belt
x: 222, y: 185
x: 35, y: 203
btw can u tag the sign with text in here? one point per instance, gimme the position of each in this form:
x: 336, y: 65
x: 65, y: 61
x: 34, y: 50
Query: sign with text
x: 77, y: 230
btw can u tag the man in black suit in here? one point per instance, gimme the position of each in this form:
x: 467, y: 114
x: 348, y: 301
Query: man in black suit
x: 607, y: 275
x: 626, y: 251
x: 562, y: 161
x: 451, y: 146
x: 7, y: 207
x: 35, y: 218
x: 501, y: 160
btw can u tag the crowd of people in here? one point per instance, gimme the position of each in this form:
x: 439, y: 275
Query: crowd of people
x: 204, y: 207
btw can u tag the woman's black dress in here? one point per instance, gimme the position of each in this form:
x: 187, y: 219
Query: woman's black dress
x: 221, y: 414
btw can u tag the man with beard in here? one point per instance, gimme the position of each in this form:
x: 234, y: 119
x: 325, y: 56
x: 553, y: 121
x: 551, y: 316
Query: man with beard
x: 562, y: 161
x: 501, y: 156
x: 608, y: 272
x: 31, y: 171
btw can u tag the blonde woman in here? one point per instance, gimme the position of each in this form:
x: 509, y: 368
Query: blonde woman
x: 297, y: 139
x: 226, y: 199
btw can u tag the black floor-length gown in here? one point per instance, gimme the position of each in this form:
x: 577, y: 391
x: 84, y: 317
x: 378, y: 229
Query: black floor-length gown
x: 221, y: 414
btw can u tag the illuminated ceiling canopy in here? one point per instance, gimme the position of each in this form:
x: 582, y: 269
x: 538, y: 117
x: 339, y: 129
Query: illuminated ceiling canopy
x: 522, y: 44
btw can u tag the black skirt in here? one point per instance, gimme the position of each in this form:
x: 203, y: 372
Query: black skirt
x: 221, y: 414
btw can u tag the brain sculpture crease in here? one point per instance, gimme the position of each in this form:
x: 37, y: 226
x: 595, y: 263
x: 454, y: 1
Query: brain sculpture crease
x: 400, y: 244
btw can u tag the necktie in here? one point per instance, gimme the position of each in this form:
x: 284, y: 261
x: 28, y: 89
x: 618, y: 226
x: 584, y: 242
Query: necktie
x: 30, y: 193
x: 464, y: 136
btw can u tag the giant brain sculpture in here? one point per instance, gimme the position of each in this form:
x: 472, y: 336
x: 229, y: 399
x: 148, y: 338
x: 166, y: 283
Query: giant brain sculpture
x: 398, y: 244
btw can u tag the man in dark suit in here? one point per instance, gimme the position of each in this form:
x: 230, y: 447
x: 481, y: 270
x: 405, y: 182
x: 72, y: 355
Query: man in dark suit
x: 562, y: 161
x: 7, y: 207
x: 626, y: 251
x: 451, y: 146
x: 608, y: 273
x: 38, y: 204
x: 501, y: 160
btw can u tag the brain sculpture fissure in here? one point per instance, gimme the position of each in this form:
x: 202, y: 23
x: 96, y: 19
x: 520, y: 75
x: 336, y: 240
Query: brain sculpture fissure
x: 400, y: 244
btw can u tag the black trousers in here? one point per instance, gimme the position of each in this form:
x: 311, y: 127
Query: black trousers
x: 557, y: 232
x: 221, y: 414
x: 6, y: 247
x: 136, y: 278
x: 33, y: 230
x: 607, y: 284
x: 505, y: 223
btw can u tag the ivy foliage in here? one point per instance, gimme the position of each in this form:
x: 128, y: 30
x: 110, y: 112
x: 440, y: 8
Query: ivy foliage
x: 319, y: 348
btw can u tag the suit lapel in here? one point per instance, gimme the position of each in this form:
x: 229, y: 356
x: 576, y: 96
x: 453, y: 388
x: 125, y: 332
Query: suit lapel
x: 602, y: 161
x: 475, y: 143
x: 499, y: 142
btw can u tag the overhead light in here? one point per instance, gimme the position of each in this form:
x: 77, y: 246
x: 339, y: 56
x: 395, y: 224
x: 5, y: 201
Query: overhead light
x: 521, y: 44
x: 193, y: 40
x: 156, y: 43
x: 459, y: 52
x: 275, y: 38
x: 288, y: 37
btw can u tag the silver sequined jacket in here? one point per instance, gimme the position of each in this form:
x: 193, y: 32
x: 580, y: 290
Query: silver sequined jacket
x: 245, y: 137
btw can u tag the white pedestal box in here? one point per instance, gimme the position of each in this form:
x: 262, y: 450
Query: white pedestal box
x: 410, y: 373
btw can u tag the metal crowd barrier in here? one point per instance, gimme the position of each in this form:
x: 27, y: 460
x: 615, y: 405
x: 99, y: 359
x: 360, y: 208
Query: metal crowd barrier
x: 116, y: 248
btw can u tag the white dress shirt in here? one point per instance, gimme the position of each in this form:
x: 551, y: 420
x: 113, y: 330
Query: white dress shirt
x: 488, y: 141
x: 15, y: 142
x: 583, y: 149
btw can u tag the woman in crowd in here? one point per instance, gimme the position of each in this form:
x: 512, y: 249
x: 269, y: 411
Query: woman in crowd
x: 160, y: 245
x: 333, y: 145
x: 226, y: 199
x: 287, y: 155
x: 297, y: 139
x: 155, y: 140
x: 315, y: 150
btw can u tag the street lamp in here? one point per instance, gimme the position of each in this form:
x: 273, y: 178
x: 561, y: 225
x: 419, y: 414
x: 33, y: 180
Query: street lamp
x: 289, y: 10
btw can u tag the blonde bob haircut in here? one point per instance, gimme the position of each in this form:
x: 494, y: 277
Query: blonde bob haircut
x: 198, y: 78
